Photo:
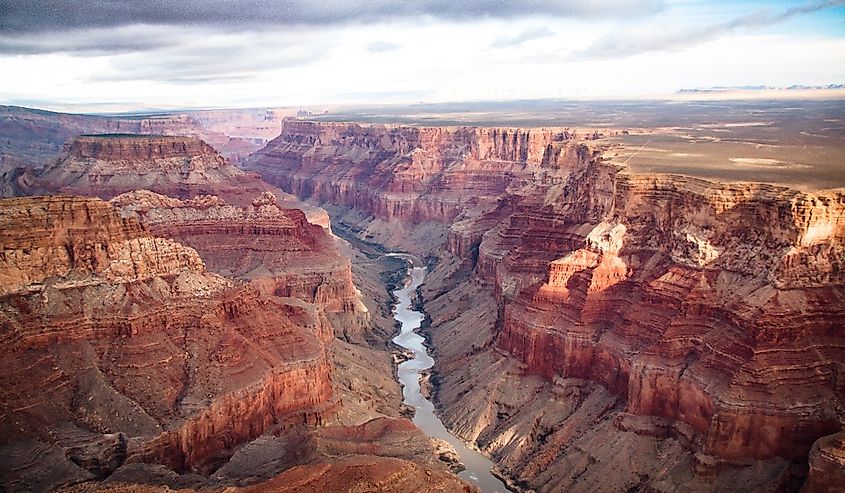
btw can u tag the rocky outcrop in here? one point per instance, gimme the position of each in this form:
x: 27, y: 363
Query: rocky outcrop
x: 76, y: 238
x: 110, y: 164
x: 110, y: 332
x: 696, y: 302
x: 274, y: 247
x: 827, y: 465
x: 413, y: 174
x: 241, y: 226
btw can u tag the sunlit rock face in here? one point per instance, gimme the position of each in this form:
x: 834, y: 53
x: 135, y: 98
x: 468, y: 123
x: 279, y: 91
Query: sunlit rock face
x: 273, y: 246
x: 715, y: 305
x: 121, y: 347
x: 181, y: 188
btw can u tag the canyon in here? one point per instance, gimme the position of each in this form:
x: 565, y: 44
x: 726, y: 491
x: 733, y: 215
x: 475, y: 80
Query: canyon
x: 173, y: 322
x: 177, y: 317
x: 579, y: 309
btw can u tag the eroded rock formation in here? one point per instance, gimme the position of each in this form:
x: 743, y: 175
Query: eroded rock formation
x: 112, y: 334
x: 678, y: 313
x: 407, y: 173
x: 145, y: 368
x: 275, y: 247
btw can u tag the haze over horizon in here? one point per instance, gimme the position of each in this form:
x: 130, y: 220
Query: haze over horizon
x: 63, y: 55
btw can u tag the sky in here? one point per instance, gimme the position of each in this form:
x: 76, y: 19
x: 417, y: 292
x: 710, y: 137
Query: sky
x: 65, y: 55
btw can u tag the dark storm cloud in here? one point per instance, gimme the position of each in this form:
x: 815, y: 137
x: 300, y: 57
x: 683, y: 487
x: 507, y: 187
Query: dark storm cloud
x: 96, y: 41
x: 622, y: 44
x: 25, y: 16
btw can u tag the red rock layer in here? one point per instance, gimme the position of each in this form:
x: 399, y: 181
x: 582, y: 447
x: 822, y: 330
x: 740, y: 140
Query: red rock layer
x: 232, y: 218
x: 408, y: 173
x: 717, y: 306
x: 107, y: 330
x: 275, y: 247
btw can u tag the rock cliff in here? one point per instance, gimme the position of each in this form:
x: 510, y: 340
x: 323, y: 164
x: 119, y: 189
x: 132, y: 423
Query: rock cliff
x: 696, y: 323
x: 414, y: 174
x: 241, y: 226
x: 697, y: 302
x: 275, y: 247
x: 186, y: 337
x: 119, y: 347
x: 110, y: 164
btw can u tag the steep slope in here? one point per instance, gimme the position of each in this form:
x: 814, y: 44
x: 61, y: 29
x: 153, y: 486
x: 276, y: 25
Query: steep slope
x: 127, y: 361
x: 221, y: 386
x: 408, y: 173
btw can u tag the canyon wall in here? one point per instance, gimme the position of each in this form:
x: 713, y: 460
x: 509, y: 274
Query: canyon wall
x: 709, y: 309
x: 121, y: 347
x: 413, y: 174
x: 713, y: 305
x: 31, y: 138
x: 241, y: 226
x: 274, y: 247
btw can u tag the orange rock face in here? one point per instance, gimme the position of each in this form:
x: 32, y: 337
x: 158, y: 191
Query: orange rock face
x: 166, y: 335
x: 108, y: 330
x: 240, y: 225
x: 275, y: 247
x: 698, y: 302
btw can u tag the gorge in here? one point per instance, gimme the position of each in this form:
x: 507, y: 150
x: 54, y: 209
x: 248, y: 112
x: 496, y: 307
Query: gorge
x: 693, y: 324
x: 477, y: 467
x: 187, y: 323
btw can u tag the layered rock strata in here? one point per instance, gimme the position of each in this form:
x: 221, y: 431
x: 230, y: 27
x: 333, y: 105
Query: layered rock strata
x: 703, y: 316
x: 409, y: 173
x: 110, y: 164
x: 697, y: 302
x: 275, y: 247
x: 119, y: 347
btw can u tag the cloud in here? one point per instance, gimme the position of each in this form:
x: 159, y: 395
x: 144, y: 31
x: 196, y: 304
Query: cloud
x: 628, y: 43
x: 529, y: 34
x: 38, y: 16
x: 217, y: 57
x: 95, y: 41
x: 382, y: 46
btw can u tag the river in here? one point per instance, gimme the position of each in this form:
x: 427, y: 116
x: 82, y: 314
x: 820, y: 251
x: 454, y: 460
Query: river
x: 477, y: 466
